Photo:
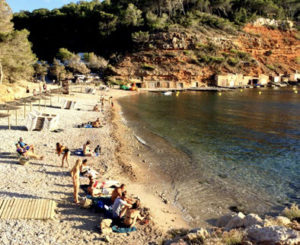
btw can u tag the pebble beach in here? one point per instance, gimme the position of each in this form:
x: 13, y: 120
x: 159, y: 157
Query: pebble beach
x: 46, y: 179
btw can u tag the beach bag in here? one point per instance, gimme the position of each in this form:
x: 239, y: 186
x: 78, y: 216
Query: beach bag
x: 23, y: 160
x: 86, y: 203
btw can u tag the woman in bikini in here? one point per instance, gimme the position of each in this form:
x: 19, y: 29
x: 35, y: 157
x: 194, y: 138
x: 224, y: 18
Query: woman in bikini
x: 75, y: 177
x: 86, y: 149
x: 132, y: 215
x: 60, y: 149
x: 87, y: 171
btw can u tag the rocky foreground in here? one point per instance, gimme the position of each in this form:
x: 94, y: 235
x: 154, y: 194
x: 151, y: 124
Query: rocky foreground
x: 246, y: 230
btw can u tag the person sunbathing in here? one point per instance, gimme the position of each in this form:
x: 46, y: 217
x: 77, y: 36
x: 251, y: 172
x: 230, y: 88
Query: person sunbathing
x: 97, y: 187
x: 28, y: 153
x: 25, y: 146
x: 60, y: 149
x: 96, y: 124
x: 86, y: 149
x: 75, y: 178
x: 132, y: 215
x: 117, y: 192
x: 96, y: 108
x: 87, y: 171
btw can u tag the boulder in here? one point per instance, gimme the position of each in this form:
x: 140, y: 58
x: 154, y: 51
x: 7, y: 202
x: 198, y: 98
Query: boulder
x: 252, y: 219
x: 105, y: 226
x: 237, y: 221
x: 273, y: 235
x: 224, y: 220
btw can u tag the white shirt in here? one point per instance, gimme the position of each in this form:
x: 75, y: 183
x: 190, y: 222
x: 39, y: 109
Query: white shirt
x: 118, y: 206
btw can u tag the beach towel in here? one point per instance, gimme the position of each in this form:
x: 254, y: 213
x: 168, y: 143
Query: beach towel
x: 79, y: 152
x: 118, y: 229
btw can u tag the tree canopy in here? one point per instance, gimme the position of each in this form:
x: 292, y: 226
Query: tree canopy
x: 16, y: 57
x: 106, y: 27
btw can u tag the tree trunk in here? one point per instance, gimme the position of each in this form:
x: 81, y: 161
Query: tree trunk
x: 1, y: 74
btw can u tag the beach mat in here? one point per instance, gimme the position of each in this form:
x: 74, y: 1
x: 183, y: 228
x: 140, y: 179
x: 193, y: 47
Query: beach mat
x: 24, y: 208
x: 118, y: 229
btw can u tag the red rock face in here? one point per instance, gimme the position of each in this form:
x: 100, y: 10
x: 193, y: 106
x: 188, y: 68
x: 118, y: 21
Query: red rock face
x: 173, y: 58
x: 279, y: 49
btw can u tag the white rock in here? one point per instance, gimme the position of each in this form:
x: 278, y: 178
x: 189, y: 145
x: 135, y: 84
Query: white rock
x: 273, y: 235
x: 236, y: 221
x: 252, y: 219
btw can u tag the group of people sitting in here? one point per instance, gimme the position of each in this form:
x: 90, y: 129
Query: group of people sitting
x: 26, y: 150
x: 93, y: 124
x: 118, y: 206
x: 87, y: 152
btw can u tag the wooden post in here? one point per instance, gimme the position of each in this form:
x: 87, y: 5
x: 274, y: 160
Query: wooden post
x: 24, y: 109
x: 16, y: 117
x: 39, y: 104
x: 8, y: 120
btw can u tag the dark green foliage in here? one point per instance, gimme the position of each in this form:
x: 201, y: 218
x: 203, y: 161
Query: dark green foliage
x: 16, y: 57
x: 148, y: 67
x: 116, y: 26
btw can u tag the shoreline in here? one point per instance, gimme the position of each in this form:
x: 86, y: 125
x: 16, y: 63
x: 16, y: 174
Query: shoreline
x: 136, y: 166
x: 47, y: 180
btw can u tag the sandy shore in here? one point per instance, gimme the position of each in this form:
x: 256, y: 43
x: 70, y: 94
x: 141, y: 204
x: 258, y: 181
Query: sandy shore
x: 46, y: 179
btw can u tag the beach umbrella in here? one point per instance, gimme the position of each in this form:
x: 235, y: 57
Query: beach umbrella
x: 41, y: 97
x: 29, y: 100
x: 17, y: 103
x: 49, y: 96
x: 5, y: 107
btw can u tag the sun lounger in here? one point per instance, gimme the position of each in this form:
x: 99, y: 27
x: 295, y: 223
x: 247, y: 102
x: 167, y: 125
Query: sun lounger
x: 68, y: 104
x: 36, y: 121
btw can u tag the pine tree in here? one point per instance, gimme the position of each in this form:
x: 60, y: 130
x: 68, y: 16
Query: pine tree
x: 16, y: 57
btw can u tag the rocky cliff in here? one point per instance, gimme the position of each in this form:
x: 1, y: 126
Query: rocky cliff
x: 195, y: 57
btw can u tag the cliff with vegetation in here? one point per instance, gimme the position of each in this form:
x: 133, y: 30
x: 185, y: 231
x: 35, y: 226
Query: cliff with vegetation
x: 189, y: 40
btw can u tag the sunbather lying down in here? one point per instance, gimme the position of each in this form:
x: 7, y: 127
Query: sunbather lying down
x: 28, y: 153
x: 99, y: 188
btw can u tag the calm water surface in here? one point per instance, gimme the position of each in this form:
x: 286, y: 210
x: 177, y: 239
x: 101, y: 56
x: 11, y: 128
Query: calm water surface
x: 243, y: 142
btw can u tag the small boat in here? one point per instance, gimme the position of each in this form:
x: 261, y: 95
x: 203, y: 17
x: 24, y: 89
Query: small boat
x: 282, y: 85
x: 168, y: 93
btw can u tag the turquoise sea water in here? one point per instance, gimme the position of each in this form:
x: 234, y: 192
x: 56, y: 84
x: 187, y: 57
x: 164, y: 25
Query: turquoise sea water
x: 245, y: 141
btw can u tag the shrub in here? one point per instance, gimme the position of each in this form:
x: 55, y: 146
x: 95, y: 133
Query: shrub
x: 140, y: 37
x: 187, y: 52
x: 292, y: 213
x: 217, y: 60
x: 170, y: 55
x: 298, y: 60
x: 268, y: 53
x: 232, y: 61
x: 241, y: 55
x: 148, y: 67
x: 271, y: 67
x: 233, y: 237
